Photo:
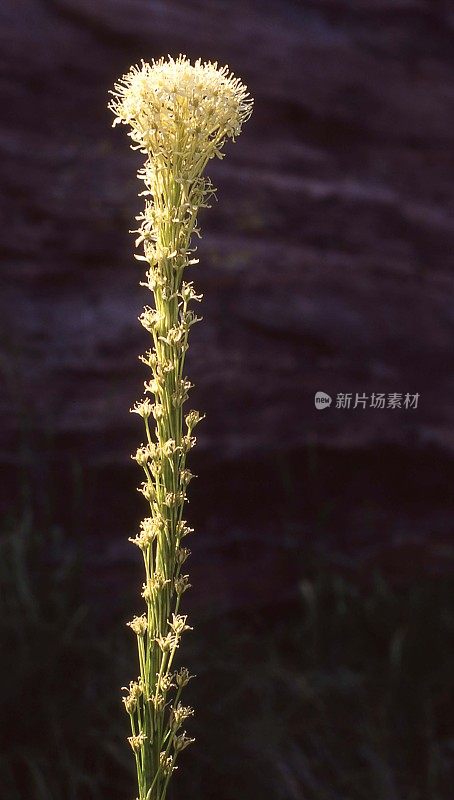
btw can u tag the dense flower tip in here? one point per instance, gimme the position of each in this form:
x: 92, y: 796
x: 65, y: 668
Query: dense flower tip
x: 174, y: 106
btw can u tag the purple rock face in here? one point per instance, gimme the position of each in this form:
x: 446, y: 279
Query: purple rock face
x: 325, y: 265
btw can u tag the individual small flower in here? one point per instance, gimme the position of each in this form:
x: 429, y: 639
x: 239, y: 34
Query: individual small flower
x: 130, y: 704
x: 180, y: 714
x: 138, y: 625
x: 188, y: 293
x: 167, y: 643
x: 165, y: 682
x: 159, y: 702
x: 189, y: 319
x: 153, y: 386
x: 174, y: 499
x: 182, y: 741
x: 182, y: 584
x: 148, y: 491
x: 166, y: 763
x: 156, y: 466
x: 182, y: 677
x: 150, y: 359
x: 143, y: 408
x: 143, y: 455
x: 192, y: 419
x: 157, y: 410
x: 166, y: 367
x: 183, y: 529
x: 178, y: 624
x: 169, y: 448
x: 137, y: 742
x: 187, y: 443
x: 149, y: 530
x: 135, y: 691
x: 180, y: 394
x: 182, y: 555
x: 150, y: 319
x: 175, y: 337
x: 156, y: 582
x: 186, y: 477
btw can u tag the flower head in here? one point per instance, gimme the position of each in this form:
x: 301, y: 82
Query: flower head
x: 134, y: 692
x: 180, y: 110
x: 138, y: 625
x: 137, y: 742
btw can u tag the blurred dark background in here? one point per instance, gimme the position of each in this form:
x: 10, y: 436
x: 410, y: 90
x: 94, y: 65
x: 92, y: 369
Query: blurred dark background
x: 322, y: 560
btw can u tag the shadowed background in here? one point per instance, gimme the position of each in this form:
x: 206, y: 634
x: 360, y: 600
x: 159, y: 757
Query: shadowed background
x: 323, y: 551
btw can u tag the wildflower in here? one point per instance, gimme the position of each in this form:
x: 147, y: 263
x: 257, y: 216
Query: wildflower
x: 180, y: 394
x: 148, y: 491
x: 174, y: 336
x: 148, y: 531
x: 143, y: 408
x: 169, y: 448
x: 135, y: 691
x: 137, y: 742
x: 178, y: 624
x: 186, y: 477
x: 143, y: 455
x: 182, y: 741
x: 159, y: 702
x: 182, y: 554
x: 187, y: 293
x: 150, y: 359
x: 174, y: 499
x: 190, y: 319
x: 192, y: 419
x: 182, y: 677
x: 165, y: 682
x: 138, y: 625
x: 167, y: 643
x: 187, y: 443
x: 183, y: 529
x: 130, y: 704
x: 150, y: 319
x: 166, y: 763
x: 153, y: 386
x: 157, y: 410
x: 180, y: 714
x: 182, y: 584
x: 180, y: 115
x: 156, y: 582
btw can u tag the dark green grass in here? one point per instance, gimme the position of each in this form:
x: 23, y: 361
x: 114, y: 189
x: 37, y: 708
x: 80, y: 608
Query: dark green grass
x: 344, y: 694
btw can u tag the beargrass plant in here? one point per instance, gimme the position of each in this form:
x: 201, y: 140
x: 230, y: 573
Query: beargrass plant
x: 180, y: 116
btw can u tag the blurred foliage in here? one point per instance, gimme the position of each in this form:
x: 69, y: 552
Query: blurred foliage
x: 59, y: 700
x: 346, y: 694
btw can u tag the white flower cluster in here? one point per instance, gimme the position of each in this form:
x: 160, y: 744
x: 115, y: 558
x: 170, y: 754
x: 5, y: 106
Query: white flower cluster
x: 181, y: 111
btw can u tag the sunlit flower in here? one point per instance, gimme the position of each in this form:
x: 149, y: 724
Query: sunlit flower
x: 180, y: 115
x: 180, y: 111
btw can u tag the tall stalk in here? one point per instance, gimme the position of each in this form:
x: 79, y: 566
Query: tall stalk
x: 180, y: 116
